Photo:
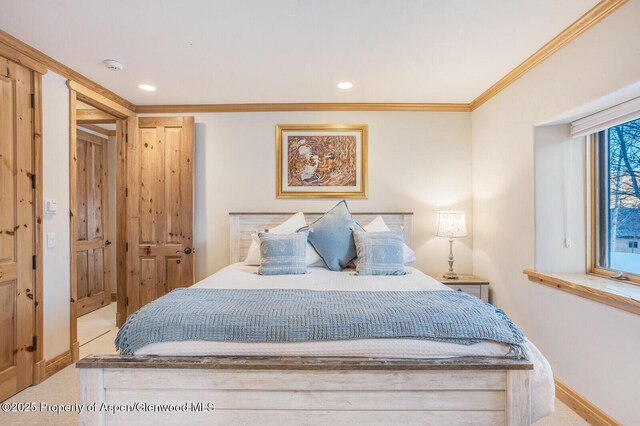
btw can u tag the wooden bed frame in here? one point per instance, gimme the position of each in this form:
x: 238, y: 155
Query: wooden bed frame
x: 303, y: 390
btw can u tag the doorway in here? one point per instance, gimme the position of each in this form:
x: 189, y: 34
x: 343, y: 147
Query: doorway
x: 159, y: 207
x: 154, y: 178
x: 97, y: 135
x: 93, y: 234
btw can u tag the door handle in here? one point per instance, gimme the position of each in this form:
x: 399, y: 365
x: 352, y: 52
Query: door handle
x: 187, y: 250
x: 107, y: 243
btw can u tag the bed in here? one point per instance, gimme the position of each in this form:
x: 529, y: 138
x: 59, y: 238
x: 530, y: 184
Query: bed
x: 366, y: 381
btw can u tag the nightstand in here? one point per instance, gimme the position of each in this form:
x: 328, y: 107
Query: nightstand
x: 469, y: 284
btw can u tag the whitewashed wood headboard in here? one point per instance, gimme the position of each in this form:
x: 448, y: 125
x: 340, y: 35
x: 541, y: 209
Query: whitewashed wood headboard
x: 242, y: 225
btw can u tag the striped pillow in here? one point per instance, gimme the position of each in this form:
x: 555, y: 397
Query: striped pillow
x: 379, y: 253
x: 283, y: 254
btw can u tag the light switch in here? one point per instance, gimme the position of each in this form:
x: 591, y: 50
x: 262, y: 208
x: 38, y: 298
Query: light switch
x: 50, y: 205
x: 51, y: 240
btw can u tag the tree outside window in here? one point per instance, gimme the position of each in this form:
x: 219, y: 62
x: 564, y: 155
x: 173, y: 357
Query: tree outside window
x: 621, y: 161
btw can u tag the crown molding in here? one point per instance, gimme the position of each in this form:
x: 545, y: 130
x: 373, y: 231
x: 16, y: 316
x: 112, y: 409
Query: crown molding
x: 270, y: 107
x: 34, y: 59
x: 94, y: 116
x: 586, y: 21
x: 596, y: 14
x: 99, y: 101
x: 48, y: 62
x: 16, y: 56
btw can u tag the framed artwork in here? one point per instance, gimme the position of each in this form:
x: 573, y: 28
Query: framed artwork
x: 321, y: 161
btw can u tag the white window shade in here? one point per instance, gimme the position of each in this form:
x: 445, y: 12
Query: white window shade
x: 610, y: 117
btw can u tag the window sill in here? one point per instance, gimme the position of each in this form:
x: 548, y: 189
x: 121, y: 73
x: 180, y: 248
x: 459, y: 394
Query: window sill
x: 617, y: 294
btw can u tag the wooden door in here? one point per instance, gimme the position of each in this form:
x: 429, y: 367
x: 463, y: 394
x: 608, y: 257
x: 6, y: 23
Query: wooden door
x: 17, y: 229
x: 92, y: 249
x: 159, y: 194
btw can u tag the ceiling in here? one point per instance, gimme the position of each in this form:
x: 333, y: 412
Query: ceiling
x: 257, y: 51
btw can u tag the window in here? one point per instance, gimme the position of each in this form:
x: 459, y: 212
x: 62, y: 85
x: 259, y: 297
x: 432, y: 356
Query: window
x: 617, y: 199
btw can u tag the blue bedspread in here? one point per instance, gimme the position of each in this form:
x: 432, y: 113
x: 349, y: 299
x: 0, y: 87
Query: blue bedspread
x: 281, y: 315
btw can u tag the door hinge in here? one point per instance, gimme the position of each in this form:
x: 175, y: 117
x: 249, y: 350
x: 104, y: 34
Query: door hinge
x: 126, y: 192
x: 126, y: 301
x: 33, y: 181
x: 34, y: 345
x: 126, y: 137
x: 34, y: 261
x: 126, y: 246
x: 33, y: 100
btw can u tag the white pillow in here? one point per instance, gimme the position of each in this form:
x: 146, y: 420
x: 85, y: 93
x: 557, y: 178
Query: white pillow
x: 378, y: 225
x: 289, y: 226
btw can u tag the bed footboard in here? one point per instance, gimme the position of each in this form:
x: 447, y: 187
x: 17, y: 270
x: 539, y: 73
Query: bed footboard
x: 303, y: 390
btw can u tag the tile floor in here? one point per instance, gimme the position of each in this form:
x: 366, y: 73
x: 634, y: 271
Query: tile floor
x: 94, y: 324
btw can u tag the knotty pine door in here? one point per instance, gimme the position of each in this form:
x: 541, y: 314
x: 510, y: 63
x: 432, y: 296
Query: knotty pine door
x: 17, y: 229
x: 93, y: 250
x: 159, y: 200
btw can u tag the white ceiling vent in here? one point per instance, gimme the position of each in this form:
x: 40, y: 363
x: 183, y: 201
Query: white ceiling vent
x: 112, y: 64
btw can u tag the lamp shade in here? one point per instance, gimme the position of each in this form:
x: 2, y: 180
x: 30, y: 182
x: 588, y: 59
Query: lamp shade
x: 451, y: 224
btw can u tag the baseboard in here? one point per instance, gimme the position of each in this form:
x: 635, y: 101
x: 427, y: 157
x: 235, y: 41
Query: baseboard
x: 585, y: 409
x: 114, y: 297
x: 39, y: 374
x: 53, y: 365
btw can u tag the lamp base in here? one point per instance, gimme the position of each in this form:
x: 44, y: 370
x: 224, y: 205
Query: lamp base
x: 451, y: 276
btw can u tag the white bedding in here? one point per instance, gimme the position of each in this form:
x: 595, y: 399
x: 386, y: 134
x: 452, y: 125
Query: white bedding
x: 242, y: 276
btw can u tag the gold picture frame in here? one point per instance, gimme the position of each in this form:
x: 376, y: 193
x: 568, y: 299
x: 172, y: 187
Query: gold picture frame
x: 321, y: 160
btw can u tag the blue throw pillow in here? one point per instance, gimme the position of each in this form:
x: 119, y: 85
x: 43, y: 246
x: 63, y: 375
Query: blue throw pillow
x: 332, y: 237
x: 379, y: 253
x: 283, y: 254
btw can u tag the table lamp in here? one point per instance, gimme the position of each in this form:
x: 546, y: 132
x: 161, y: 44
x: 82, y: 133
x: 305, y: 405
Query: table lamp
x: 451, y: 224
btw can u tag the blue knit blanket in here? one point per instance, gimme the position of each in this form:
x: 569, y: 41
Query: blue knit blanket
x: 281, y: 315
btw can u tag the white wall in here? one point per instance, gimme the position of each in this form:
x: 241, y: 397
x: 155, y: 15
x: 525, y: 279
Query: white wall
x: 592, y: 347
x: 55, y: 109
x: 560, y: 219
x: 418, y: 162
x: 56, y: 282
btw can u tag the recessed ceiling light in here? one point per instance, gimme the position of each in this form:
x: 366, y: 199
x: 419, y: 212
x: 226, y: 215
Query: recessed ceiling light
x: 345, y: 85
x: 147, y: 87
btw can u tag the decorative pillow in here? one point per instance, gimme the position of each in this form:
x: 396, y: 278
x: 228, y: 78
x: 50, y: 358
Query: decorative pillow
x: 379, y: 253
x: 332, y: 237
x: 313, y: 258
x: 289, y: 226
x: 283, y: 254
x: 378, y: 225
